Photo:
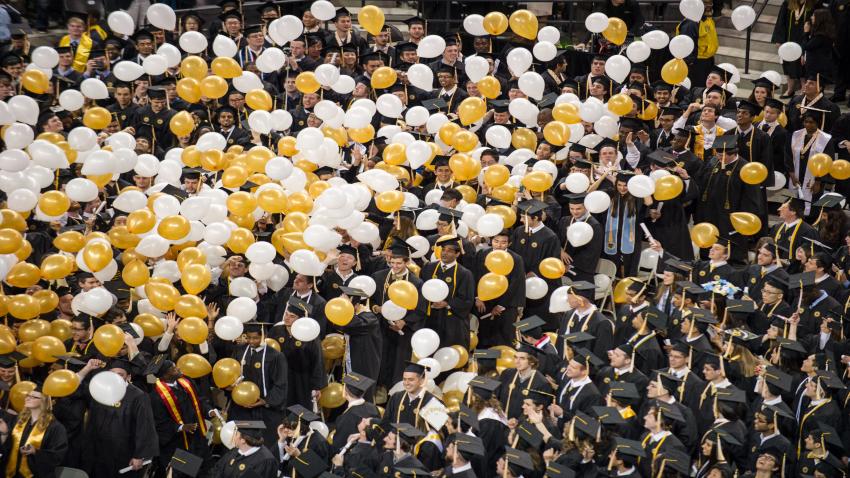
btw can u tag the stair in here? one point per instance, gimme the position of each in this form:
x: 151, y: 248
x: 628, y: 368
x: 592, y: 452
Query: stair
x: 733, y: 44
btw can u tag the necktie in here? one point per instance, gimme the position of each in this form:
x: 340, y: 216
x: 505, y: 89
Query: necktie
x: 765, y: 127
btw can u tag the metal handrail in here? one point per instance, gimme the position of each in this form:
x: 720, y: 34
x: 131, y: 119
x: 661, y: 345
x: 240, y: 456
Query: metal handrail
x: 750, y: 31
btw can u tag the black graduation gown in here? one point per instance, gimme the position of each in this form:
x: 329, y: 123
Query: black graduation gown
x: 494, y: 434
x: 312, y: 441
x: 396, y: 348
x: 755, y: 276
x: 615, y: 239
x: 755, y: 146
x: 269, y: 371
x: 671, y: 228
x: 572, y: 401
x: 812, y: 314
x: 533, y: 248
x: 347, y: 422
x: 778, y: 442
x: 594, y: 324
x: 689, y: 392
x: 452, y: 322
x: 48, y: 456
x: 330, y: 283
x: 167, y: 429
x: 649, y: 355
x: 793, y: 237
x: 795, y: 113
x: 703, y: 271
x: 648, y: 463
x: 467, y: 258
x: 585, y: 258
x: 316, y: 301
x: 114, y: 435
x: 514, y: 390
x: 305, y: 366
x: 607, y: 374
x: 400, y: 409
x: 498, y: 329
x: 233, y: 464
x: 363, y: 340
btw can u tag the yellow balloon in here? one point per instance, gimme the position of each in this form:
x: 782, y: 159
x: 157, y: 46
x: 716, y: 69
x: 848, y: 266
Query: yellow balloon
x: 362, y: 135
x: 234, y: 176
x: 189, y: 89
x: 620, y: 296
x: 195, y: 278
x: 299, y: 202
x: 674, y: 71
x: 109, y: 339
x: 447, y: 132
x: 389, y: 201
x: 704, y: 234
x: 668, y: 187
x: 181, y: 124
x: 240, y: 240
x: 56, y: 266
x: 54, y: 203
x: 616, y: 31
x: 495, y: 23
x: 524, y: 138
x: 306, y: 82
x: 272, y: 200
x: 507, y: 214
x: 10, y: 241
x: 620, y: 104
x: 468, y: 193
x: 194, y: 365
x: 471, y: 110
x: 333, y: 347
x: 7, y: 339
x: 259, y: 99
x: 538, y: 181
x: 61, y: 383
x: 33, y: 329
x: 755, y: 173
x: 97, y: 255
x: 162, y: 296
x: 499, y: 262
x: 46, y: 348
x: 557, y: 133
x: 383, y: 77
x: 97, y: 117
x: 140, y: 221
x: 226, y: 67
x: 23, y: 275
x: 296, y: 222
x: 820, y: 165
x: 331, y: 396
x: 213, y: 87
x: 286, y: 145
x: 241, y: 203
x: 371, y: 18
x: 746, y: 223
x: 403, y: 293
x: 245, y: 394
x: 339, y: 311
x: 135, y: 273
x: 151, y: 326
x: 35, y: 81
x: 192, y: 330
x: 524, y: 24
x: 552, y: 268
x: 840, y: 169
x: 394, y: 154
x: 464, y: 167
x: 194, y: 67
x: 226, y: 371
x: 490, y: 87
x: 61, y: 329
x: 496, y: 175
x: 465, y: 141
x: 492, y: 286
x: 18, y: 394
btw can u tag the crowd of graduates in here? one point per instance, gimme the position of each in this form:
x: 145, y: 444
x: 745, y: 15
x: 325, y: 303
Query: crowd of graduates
x: 299, y: 248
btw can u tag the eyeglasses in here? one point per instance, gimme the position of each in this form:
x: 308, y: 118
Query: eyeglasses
x: 78, y: 329
x: 34, y: 397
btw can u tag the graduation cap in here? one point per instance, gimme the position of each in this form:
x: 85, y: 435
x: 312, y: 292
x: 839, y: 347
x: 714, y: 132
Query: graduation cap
x: 587, y: 358
x: 750, y: 106
x: 408, y: 432
x: 417, y: 368
x: 804, y: 279
x: 734, y: 306
x: 448, y: 240
x: 298, y: 306
x: 417, y: 20
x: 309, y: 464
x: 469, y: 444
x: 251, y: 428
x: 298, y: 412
x: 669, y: 411
x: 776, y: 409
x: 191, y: 14
x: 408, y: 472
x: 268, y: 6
x: 726, y: 144
x: 778, y: 378
x: 608, y: 415
x: 435, y: 105
x: 519, y: 458
x: 557, y: 470
x: 195, y: 173
x: 573, y: 198
x: 142, y: 34
x: 449, y: 215
x: 689, y: 289
x: 352, y: 292
x: 675, y: 460
x: 583, y: 289
x: 156, y: 92
x: 775, y: 104
x: 569, y: 83
x: 741, y: 336
x: 500, y: 106
x: 128, y: 328
x: 9, y: 360
x: 790, y: 345
x: 529, y: 325
x: 547, y: 101
x: 578, y: 337
x: 357, y: 383
x: 626, y: 390
x: 826, y: 435
x: 486, y: 354
x: 730, y: 394
x: 666, y: 381
x: 530, y: 434
x: 71, y: 359
x: 158, y: 365
x: 830, y: 379
x: 627, y: 447
x: 829, y: 201
x: 585, y: 424
x: 672, y: 110
x: 830, y: 467
x: 540, y: 397
x: 186, y: 463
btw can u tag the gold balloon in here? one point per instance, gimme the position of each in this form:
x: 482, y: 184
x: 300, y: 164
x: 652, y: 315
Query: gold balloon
x: 552, y: 268
x: 394, y: 154
x: 141, y: 221
x: 109, y: 339
x: 464, y: 355
x: 507, y: 214
x: 194, y: 365
x: 7, y: 340
x: 97, y: 255
x: 316, y: 189
x: 496, y: 175
x: 288, y: 242
x: 332, y: 396
x: 33, y: 329
x: 69, y: 241
x: 339, y: 311
x: 471, y: 110
x: 56, y: 266
x: 245, y: 394
x: 213, y: 160
x: 194, y: 67
x: 495, y: 23
x: 192, y: 330
x: 135, y: 273
x: 25, y: 250
x: 296, y: 222
x: 556, y: 132
x: 674, y: 71
x: 47, y: 300
x: 616, y: 31
x: 189, y: 89
x: 490, y: 87
x: 362, y: 135
x: 465, y: 141
x: 121, y: 238
x: 704, y: 234
x: 746, y: 223
x: 61, y: 383
x: 10, y: 241
x: 259, y: 99
x: 389, y: 201
x: 273, y: 343
x: 820, y: 164
x: 506, y: 359
x: 46, y: 348
x: 286, y: 146
x: 464, y: 167
x: 240, y: 240
x: 97, y: 117
x: 241, y: 203
x: 60, y: 328
x: 383, y: 77
x: 754, y: 173
x: 499, y: 262
x: 182, y: 124
x: 524, y: 138
x: 29, y: 362
x: 524, y: 24
x: 468, y: 193
x: 174, y: 228
x: 333, y: 347
x: 840, y: 169
x: 150, y: 324
x: 620, y: 289
x: 54, y: 203
x: 371, y: 18
x: 668, y: 187
x: 189, y: 305
x: 492, y: 286
x: 35, y: 81
x: 162, y: 296
x: 447, y: 132
x: 18, y: 393
x: 23, y: 275
x: 226, y: 67
x: 620, y: 104
x: 195, y: 278
x: 505, y: 193
x: 213, y: 87
x: 226, y: 371
x: 404, y: 294
x: 12, y: 219
x: 306, y: 82
x: 190, y: 255
x: 538, y: 181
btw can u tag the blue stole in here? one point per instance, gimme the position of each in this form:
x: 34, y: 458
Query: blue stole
x: 613, y: 235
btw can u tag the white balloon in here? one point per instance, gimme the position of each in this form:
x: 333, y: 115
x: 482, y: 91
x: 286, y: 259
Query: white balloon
x: 288, y: 28
x: 597, y: 202
x: 260, y: 121
x: 524, y: 110
x: 121, y: 22
x: 327, y: 74
x: 392, y: 312
x: 14, y: 160
x: 7, y: 116
x: 211, y: 140
x: 279, y: 278
x: 107, y: 388
x: 94, y: 89
x: 474, y: 25
x: 171, y: 53
x: 305, y: 329
x: 773, y: 76
x: 743, y: 17
x: 435, y: 290
x: 127, y: 70
x: 641, y: 186
x: 162, y: 16
x: 364, y: 283
x: 681, y: 45
x: 638, y: 51
x: 416, y: 116
x: 224, y: 46
x: 476, y: 67
x: 228, y: 434
x: 519, y: 60
x: 281, y: 120
x: 165, y: 206
x: 344, y: 85
x: 228, y: 328
x: 692, y: 9
x: 18, y: 136
x: 45, y: 57
x: 217, y: 233
x: 243, y: 287
x: 323, y: 10
x: 489, y: 225
x: 656, y: 39
x: 596, y: 22
x: 247, y: 81
x: 788, y: 51
x: 243, y: 308
x: 279, y: 168
x: 167, y: 270
x: 270, y: 59
x: 366, y: 232
x: 389, y: 105
x: 591, y: 111
x: 421, y: 76
x: 577, y: 183
x: 424, y: 342
x: 261, y: 252
x: 535, y: 288
x: 607, y: 126
x: 549, y: 34
x: 309, y: 139
x: 617, y: 68
x: 447, y: 357
x: 24, y: 109
x: 498, y: 137
x: 544, y: 51
x: 81, y: 190
x: 155, y: 64
x: 531, y: 83
x: 431, y: 46
x: 779, y: 181
x: 192, y: 42
x: 129, y: 201
x: 22, y: 200
x: 579, y: 233
x: 71, y: 100
x: 152, y: 246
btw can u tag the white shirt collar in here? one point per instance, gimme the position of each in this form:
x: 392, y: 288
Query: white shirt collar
x: 418, y: 395
x: 350, y: 273
x: 657, y: 436
x: 580, y: 383
x: 461, y: 469
x: 444, y: 92
x: 249, y: 451
x: 627, y: 472
x: 449, y: 265
x: 537, y: 228
x: 718, y: 263
x: 623, y: 370
x: 773, y: 401
x: 792, y: 223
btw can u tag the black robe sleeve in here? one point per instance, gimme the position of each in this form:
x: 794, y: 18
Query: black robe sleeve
x: 276, y: 396
x: 51, y: 452
x: 464, y: 298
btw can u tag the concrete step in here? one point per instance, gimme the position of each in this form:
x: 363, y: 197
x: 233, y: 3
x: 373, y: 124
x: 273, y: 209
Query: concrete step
x: 759, y: 60
x: 764, y: 24
x: 758, y: 41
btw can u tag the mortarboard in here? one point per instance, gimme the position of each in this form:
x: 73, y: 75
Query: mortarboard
x: 186, y: 463
x: 251, y: 428
x: 407, y: 472
x: 777, y: 377
x: 608, y: 415
x: 803, y: 279
x: 556, y: 470
x: 747, y: 105
x: 626, y: 390
x: 341, y: 12
x: 526, y: 326
x: 734, y: 306
x: 726, y: 143
x: 583, y: 288
x: 673, y: 459
x: 730, y: 394
x: 448, y: 214
x: 468, y: 416
x: 299, y: 412
x: 775, y: 104
x: 357, y: 382
x: 408, y: 432
x: 352, y: 292
x: 469, y: 444
x: 662, y: 158
x: 309, y: 464
x: 176, y: 192
x: 827, y: 435
x: 298, y: 306
x: 628, y: 447
x: 587, y: 358
x: 585, y: 424
x: 830, y: 467
x: 435, y: 105
x: 529, y: 433
x: 519, y: 458
x: 669, y: 411
x: 414, y: 367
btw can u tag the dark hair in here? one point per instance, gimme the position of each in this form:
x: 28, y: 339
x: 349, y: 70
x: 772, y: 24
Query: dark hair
x: 253, y: 441
x: 452, y: 194
x: 490, y: 152
x: 831, y: 229
x: 823, y: 260
x: 823, y: 24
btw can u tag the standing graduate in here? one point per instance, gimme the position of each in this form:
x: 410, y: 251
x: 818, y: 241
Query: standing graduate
x: 305, y: 366
x: 36, y: 444
x: 267, y: 369
x: 348, y: 422
x: 583, y: 316
x: 791, y: 232
x: 754, y: 146
x: 497, y: 316
x: 450, y: 317
x: 248, y: 457
x: 580, y: 260
x: 362, y: 338
x: 404, y: 406
x: 341, y: 274
x: 668, y: 220
x: 623, y: 234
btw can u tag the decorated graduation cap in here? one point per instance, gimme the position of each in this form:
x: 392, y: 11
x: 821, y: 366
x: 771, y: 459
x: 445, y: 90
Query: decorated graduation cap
x: 356, y: 383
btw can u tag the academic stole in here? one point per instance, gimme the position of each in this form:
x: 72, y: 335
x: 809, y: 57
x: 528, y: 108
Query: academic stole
x: 790, y: 241
x: 657, y: 447
x: 35, y: 438
x: 81, y: 55
x: 803, y: 422
x: 512, y: 386
x: 612, y: 226
x: 431, y: 437
x: 170, y: 401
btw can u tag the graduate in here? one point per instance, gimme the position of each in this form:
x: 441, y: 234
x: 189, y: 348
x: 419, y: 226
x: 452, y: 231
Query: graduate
x: 583, y: 316
x: 623, y: 235
x: 357, y: 409
x: 576, y: 391
x: 581, y: 260
x: 362, y: 338
x: 36, y: 443
x: 497, y: 316
x: 298, y: 441
x: 404, y: 406
x: 249, y: 455
x: 450, y: 317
